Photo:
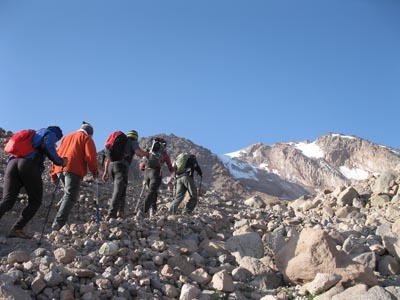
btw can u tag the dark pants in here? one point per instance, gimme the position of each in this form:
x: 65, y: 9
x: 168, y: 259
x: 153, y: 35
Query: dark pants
x: 152, y: 179
x: 71, y: 183
x: 184, y: 184
x: 119, y: 174
x: 21, y: 172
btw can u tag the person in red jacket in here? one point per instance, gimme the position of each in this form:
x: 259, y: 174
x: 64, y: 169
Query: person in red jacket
x: 80, y: 150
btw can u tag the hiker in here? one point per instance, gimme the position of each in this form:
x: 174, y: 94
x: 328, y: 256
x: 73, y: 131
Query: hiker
x: 185, y: 183
x: 118, y: 168
x: 80, y: 150
x: 26, y: 171
x: 153, y: 175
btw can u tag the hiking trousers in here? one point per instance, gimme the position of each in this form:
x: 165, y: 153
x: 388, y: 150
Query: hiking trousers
x: 119, y: 174
x: 21, y: 172
x: 152, y: 179
x: 71, y: 183
x: 184, y: 183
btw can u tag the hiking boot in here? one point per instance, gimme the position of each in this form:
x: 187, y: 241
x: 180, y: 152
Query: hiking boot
x: 111, y: 216
x: 18, y: 233
x: 187, y: 211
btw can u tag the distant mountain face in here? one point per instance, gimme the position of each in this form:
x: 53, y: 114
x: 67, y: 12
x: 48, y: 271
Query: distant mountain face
x: 284, y: 170
x: 290, y: 170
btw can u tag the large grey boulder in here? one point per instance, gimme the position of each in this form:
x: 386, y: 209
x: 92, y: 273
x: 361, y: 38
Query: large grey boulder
x: 314, y: 251
x: 247, y: 244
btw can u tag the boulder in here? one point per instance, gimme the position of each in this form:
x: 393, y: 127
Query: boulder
x: 314, y: 251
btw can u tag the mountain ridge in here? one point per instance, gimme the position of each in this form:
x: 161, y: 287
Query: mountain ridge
x: 330, y: 160
x: 286, y: 170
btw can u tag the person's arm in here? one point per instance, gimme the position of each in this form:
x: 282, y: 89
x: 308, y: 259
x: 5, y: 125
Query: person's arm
x: 167, y: 160
x: 105, y: 174
x: 141, y: 153
x: 53, y: 174
x: 91, y: 156
x: 198, y: 169
x: 137, y: 150
x: 50, y: 141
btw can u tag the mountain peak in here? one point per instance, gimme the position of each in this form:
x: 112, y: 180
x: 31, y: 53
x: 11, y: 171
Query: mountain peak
x: 304, y: 167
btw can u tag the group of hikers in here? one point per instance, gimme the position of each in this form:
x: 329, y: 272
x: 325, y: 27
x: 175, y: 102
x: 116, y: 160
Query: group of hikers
x: 71, y: 160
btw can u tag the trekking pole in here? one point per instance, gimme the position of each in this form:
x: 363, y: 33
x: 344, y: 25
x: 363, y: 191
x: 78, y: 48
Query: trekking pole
x: 174, y: 188
x: 51, y: 204
x: 201, y: 179
x: 140, y: 196
x: 97, y: 203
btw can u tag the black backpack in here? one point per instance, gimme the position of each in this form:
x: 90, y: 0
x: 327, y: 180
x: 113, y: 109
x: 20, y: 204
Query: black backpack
x: 115, y: 146
x: 156, y: 153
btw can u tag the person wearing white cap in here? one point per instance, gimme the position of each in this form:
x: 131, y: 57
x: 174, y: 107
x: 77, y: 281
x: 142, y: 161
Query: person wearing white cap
x: 80, y: 150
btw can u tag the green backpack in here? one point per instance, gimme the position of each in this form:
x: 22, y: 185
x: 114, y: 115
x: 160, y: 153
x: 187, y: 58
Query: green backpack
x: 180, y: 162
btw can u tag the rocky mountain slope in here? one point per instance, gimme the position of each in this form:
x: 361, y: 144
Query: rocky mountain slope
x: 284, y: 170
x: 290, y: 170
x: 342, y: 243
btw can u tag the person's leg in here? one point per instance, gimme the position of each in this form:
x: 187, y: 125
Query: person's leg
x: 191, y: 186
x: 124, y: 172
x: 11, y: 188
x: 179, y: 195
x: 140, y: 204
x: 152, y: 192
x: 118, y: 170
x: 71, y: 194
x: 32, y: 181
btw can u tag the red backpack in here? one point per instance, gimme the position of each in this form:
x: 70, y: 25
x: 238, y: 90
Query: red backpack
x: 20, y: 144
x: 115, y: 144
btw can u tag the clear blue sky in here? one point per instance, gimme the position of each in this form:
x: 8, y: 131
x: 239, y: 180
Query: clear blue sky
x: 224, y: 74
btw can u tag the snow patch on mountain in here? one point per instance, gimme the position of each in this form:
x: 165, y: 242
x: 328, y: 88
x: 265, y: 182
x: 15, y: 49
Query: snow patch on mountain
x: 238, y: 169
x: 344, y: 136
x: 311, y: 150
x: 276, y: 172
x: 393, y: 150
x: 264, y: 166
x: 232, y: 154
x: 357, y: 174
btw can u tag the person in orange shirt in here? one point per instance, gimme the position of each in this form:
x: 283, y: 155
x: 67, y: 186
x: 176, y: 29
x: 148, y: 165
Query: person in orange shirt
x: 80, y: 150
